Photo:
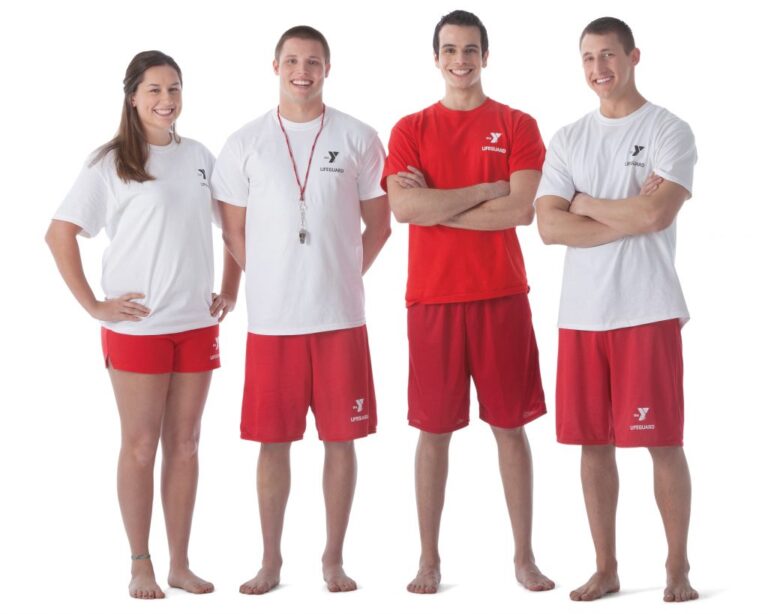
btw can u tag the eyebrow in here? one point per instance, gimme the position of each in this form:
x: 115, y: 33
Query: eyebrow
x: 586, y: 53
x: 158, y: 85
x: 293, y: 55
x: 470, y: 46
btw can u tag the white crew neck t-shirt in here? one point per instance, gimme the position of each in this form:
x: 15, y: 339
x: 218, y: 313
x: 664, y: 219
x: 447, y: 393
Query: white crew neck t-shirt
x: 159, y: 232
x: 291, y: 288
x: 630, y: 281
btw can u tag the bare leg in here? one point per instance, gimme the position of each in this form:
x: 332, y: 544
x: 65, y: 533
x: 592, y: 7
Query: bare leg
x: 516, y: 469
x: 672, y: 486
x: 141, y: 403
x: 431, y: 478
x: 600, y: 481
x: 273, y: 483
x: 180, y: 437
x: 339, y: 477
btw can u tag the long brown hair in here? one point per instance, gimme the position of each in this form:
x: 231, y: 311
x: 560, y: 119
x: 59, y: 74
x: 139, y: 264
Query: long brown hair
x: 130, y: 144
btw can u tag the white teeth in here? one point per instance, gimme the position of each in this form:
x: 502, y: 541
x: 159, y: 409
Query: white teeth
x: 460, y: 72
x: 603, y: 80
x: 164, y: 112
x: 299, y: 82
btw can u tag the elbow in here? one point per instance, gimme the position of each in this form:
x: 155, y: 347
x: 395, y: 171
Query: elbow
x: 546, y: 232
x: 402, y: 214
x: 656, y: 220
x: 526, y: 216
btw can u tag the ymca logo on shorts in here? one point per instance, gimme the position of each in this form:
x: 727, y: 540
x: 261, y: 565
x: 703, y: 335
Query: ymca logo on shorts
x: 641, y: 415
x: 358, y: 409
x: 215, y: 349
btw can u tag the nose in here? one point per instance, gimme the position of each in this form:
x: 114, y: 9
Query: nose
x: 601, y: 63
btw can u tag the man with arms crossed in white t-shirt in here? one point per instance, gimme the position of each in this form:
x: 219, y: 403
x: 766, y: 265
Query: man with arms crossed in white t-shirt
x: 611, y: 188
x: 306, y: 174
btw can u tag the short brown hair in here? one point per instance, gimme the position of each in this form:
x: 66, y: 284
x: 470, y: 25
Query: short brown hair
x: 460, y: 18
x: 306, y: 33
x: 611, y: 25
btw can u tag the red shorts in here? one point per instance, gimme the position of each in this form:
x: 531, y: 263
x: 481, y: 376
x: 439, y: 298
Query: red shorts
x: 329, y: 372
x: 621, y: 387
x: 190, y: 351
x: 491, y: 341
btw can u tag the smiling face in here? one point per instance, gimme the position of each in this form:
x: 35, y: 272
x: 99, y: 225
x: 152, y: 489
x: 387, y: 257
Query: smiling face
x: 608, y: 68
x: 460, y: 57
x: 302, y: 68
x: 157, y: 100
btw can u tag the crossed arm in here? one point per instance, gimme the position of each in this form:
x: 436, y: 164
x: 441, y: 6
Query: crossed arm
x: 588, y: 222
x: 483, y: 206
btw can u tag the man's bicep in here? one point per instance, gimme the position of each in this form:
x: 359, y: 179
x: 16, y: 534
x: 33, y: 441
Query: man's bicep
x: 668, y: 199
x: 548, y: 203
x: 232, y: 216
x: 375, y: 211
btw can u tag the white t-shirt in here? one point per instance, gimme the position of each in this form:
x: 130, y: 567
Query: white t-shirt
x: 159, y: 231
x: 291, y: 288
x: 631, y: 281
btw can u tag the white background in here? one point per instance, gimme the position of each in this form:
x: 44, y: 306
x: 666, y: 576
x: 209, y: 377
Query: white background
x: 62, y: 546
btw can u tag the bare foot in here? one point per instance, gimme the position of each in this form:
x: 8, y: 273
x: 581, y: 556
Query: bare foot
x: 679, y: 588
x: 267, y: 579
x: 530, y: 577
x: 427, y: 580
x: 599, y: 585
x: 186, y: 580
x: 336, y: 580
x: 143, y: 584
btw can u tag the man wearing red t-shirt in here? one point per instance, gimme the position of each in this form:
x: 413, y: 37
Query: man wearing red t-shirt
x: 463, y: 173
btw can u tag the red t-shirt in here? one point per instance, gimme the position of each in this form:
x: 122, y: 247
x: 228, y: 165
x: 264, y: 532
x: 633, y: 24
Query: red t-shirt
x: 456, y: 149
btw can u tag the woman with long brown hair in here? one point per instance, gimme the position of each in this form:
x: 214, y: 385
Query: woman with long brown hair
x: 148, y: 188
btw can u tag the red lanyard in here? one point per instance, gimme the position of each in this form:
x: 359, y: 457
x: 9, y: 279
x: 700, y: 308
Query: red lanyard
x: 302, y: 188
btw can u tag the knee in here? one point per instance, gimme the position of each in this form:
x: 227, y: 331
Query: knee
x: 666, y: 453
x: 512, y: 436
x: 181, y: 448
x: 141, y: 451
x: 339, y: 448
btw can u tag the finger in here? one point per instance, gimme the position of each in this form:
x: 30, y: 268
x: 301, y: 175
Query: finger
x: 410, y: 176
x: 130, y: 309
x: 216, y: 306
x: 224, y: 313
x: 409, y: 183
x: 415, y: 171
x: 130, y: 296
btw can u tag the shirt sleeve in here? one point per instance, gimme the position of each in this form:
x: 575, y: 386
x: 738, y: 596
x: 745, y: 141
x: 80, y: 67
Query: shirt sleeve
x: 210, y: 165
x: 229, y: 182
x: 403, y: 152
x: 556, y: 176
x: 86, y: 203
x: 370, y: 170
x: 527, y: 149
x: 676, y: 155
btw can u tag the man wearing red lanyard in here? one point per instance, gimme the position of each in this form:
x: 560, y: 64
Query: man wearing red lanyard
x: 306, y: 174
x: 463, y: 173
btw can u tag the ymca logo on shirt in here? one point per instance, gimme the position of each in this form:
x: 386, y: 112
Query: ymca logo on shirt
x: 493, y: 139
x: 204, y: 182
x: 634, y: 153
x: 330, y: 158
